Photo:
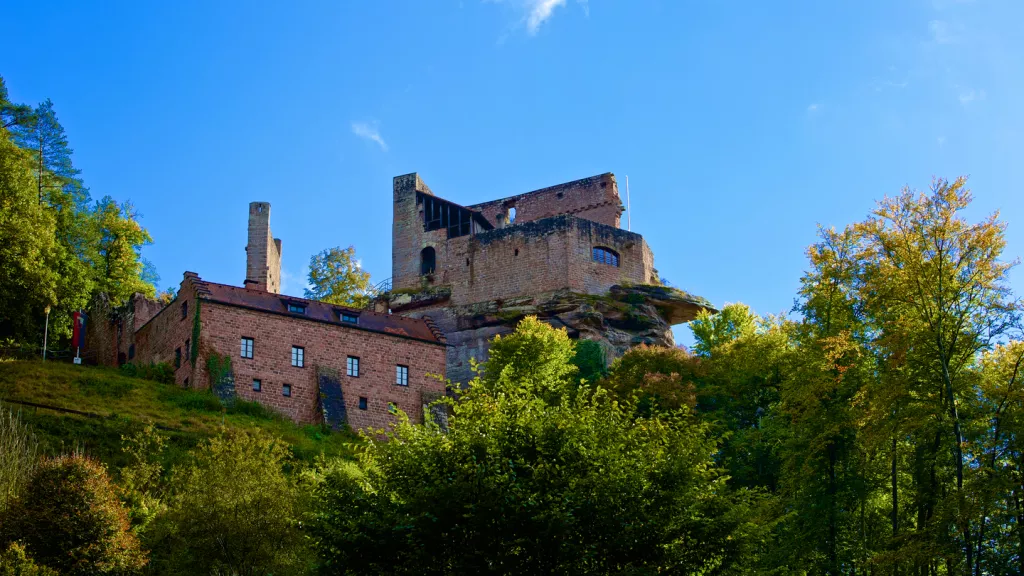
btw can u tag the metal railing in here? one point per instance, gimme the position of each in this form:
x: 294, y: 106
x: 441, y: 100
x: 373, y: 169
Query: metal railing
x: 378, y: 290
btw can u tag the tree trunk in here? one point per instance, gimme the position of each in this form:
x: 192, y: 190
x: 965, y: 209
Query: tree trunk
x: 958, y: 456
x: 895, y: 504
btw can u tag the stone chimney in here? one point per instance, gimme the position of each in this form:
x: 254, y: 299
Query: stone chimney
x: 263, y: 253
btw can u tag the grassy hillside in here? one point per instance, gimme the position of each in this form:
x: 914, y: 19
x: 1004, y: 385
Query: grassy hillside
x: 124, y: 405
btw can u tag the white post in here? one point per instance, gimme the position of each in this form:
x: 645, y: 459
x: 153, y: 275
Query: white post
x: 629, y: 218
x: 46, y: 332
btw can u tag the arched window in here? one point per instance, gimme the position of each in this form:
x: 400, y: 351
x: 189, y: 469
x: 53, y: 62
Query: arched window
x: 605, y: 256
x: 427, y: 261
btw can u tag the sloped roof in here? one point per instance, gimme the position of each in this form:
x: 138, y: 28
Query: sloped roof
x: 402, y: 326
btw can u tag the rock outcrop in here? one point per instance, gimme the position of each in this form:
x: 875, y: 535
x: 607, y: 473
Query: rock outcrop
x: 624, y: 317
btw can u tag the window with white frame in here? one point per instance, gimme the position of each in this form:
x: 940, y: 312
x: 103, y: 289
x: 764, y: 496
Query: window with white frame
x: 298, y: 356
x: 402, y: 375
x: 352, y: 366
x: 246, y: 347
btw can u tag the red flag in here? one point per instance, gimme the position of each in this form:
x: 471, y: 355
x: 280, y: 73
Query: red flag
x: 78, y: 330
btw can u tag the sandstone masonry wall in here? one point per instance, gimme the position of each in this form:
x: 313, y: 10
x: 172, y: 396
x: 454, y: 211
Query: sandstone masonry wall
x: 595, y: 198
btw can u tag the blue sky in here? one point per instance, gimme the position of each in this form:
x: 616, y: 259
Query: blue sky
x: 741, y: 125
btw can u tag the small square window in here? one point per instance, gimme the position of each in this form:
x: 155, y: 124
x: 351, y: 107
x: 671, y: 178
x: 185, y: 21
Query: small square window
x: 362, y: 403
x: 286, y: 390
x: 402, y: 375
x: 257, y: 386
x: 177, y: 357
x: 184, y: 309
x: 296, y: 308
x: 246, y: 347
x: 352, y: 367
x: 298, y: 356
x: 392, y: 407
x: 350, y: 318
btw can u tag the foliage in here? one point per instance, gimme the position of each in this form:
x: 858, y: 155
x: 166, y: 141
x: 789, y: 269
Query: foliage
x: 336, y: 277
x: 535, y: 475
x: 18, y: 454
x: 140, y: 481
x: 660, y: 379
x: 161, y: 372
x: 15, y: 562
x: 712, y: 330
x: 70, y: 519
x: 57, y: 249
x: 590, y: 361
x: 217, y: 367
x: 167, y: 296
x: 233, y: 510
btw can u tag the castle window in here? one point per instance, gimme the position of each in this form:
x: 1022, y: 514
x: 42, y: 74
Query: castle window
x: 605, y: 256
x: 352, y: 367
x: 257, y: 385
x: 350, y: 318
x: 296, y: 308
x: 362, y: 403
x: 184, y: 309
x: 188, y: 347
x: 286, y: 390
x: 131, y: 352
x: 298, y: 356
x: 246, y: 347
x: 402, y: 375
x: 427, y: 260
x: 177, y: 357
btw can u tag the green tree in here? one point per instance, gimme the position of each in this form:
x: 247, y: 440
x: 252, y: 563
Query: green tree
x: 537, y: 476
x: 234, y: 510
x: 590, y: 360
x: 70, y: 519
x: 711, y: 330
x: 119, y: 266
x: 336, y: 277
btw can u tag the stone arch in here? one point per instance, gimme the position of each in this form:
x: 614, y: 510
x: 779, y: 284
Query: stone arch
x: 428, y: 261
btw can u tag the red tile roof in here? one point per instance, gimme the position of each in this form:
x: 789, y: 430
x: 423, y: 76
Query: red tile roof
x: 418, y: 329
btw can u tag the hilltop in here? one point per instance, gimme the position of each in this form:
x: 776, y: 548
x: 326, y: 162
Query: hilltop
x: 103, y: 404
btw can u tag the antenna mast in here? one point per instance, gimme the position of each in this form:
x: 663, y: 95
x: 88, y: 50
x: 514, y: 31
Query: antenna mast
x: 629, y: 219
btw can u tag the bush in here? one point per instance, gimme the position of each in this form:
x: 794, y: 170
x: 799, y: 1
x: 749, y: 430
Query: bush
x: 14, y: 562
x: 161, y: 372
x: 18, y: 449
x: 69, y: 518
x: 234, y: 511
x: 590, y: 360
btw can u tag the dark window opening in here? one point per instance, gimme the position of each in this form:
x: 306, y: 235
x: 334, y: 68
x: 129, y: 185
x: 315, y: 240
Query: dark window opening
x: 352, y: 366
x: 402, y: 375
x: 120, y: 358
x: 296, y: 308
x: 257, y: 386
x: 246, y: 347
x: 560, y: 195
x: 177, y: 357
x: 605, y: 256
x: 186, y: 381
x: 427, y: 261
x: 188, y: 347
x: 362, y: 403
x: 350, y: 318
x: 517, y: 252
x: 131, y: 352
x: 298, y: 356
x: 184, y: 309
x: 286, y: 390
x: 438, y: 214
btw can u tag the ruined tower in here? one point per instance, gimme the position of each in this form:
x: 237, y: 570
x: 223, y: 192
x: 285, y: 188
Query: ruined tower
x: 263, y: 253
x: 557, y: 253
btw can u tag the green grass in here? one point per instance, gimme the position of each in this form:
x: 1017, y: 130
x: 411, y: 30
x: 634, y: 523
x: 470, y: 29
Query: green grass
x: 126, y: 404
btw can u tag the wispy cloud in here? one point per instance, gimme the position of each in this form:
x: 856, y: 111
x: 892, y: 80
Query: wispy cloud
x: 293, y: 284
x: 968, y: 96
x: 940, y: 140
x: 534, y: 13
x: 370, y: 132
x: 813, y: 108
x: 941, y: 32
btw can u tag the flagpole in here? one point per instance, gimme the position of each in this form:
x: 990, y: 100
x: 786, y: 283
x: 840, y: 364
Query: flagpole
x: 46, y: 331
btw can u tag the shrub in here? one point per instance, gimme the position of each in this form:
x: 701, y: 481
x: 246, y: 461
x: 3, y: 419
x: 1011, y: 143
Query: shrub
x: 18, y: 449
x: 70, y: 519
x: 234, y: 511
x: 14, y: 562
x: 161, y: 372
